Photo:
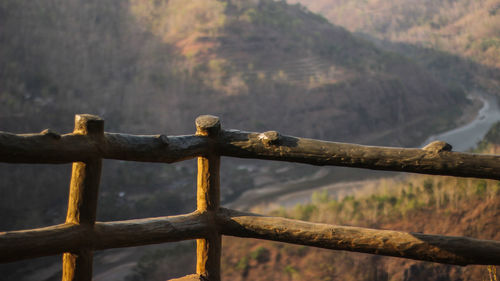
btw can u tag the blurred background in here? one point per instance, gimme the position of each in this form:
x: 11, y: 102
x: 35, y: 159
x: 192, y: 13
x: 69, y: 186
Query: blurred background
x: 392, y: 73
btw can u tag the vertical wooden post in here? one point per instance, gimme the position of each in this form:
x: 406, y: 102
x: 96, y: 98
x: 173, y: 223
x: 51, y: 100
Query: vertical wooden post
x: 82, y: 204
x: 208, y: 250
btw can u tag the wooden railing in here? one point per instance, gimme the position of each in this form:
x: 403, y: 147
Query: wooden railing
x: 80, y: 235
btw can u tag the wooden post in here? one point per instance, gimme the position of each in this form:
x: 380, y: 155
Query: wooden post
x: 82, y: 204
x: 208, y: 251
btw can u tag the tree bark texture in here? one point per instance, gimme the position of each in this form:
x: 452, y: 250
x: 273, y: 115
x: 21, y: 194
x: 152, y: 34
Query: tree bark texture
x: 434, y: 248
x: 436, y: 158
x: 54, y: 148
x: 82, y: 203
x: 24, y: 244
x: 53, y: 240
x: 208, y: 249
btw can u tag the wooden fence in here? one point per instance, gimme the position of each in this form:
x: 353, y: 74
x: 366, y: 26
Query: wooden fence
x: 80, y: 235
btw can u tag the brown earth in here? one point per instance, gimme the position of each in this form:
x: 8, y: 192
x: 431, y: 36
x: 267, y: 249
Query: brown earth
x: 246, y: 259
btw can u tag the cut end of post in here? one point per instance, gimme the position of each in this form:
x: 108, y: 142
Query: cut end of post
x: 438, y: 146
x: 207, y: 125
x: 88, y: 124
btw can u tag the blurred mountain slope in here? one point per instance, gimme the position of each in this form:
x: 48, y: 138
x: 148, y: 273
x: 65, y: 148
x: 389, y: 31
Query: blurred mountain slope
x: 257, y: 64
x: 465, y: 28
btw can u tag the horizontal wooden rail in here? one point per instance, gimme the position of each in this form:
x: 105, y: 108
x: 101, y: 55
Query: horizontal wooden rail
x: 436, y: 158
x: 52, y: 240
x: 418, y: 246
x: 18, y: 245
x: 50, y: 147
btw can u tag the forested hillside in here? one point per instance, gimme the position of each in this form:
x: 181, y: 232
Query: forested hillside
x: 143, y: 64
x: 437, y: 205
x: 439, y: 29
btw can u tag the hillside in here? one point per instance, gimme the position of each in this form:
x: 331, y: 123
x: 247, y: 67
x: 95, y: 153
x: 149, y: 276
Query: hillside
x: 147, y: 62
x: 468, y: 29
x: 419, y: 204
x: 266, y: 56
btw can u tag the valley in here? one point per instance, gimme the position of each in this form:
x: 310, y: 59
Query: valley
x: 150, y: 67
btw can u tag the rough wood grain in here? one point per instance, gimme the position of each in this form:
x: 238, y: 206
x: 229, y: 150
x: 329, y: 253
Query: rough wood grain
x: 82, y: 203
x: 77, y: 265
x: 44, y: 148
x: 24, y: 244
x: 208, y: 250
x: 436, y: 159
x: 418, y: 246
x: 53, y: 240
x: 156, y: 148
x: 150, y: 231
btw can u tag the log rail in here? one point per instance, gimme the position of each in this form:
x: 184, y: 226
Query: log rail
x: 80, y: 235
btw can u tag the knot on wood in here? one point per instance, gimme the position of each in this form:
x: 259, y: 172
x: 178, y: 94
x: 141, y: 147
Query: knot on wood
x: 438, y: 146
x: 50, y: 133
x: 270, y: 138
x: 207, y: 125
x: 163, y: 139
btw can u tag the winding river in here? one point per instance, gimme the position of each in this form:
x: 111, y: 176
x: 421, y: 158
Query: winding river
x: 461, y: 138
x: 466, y: 137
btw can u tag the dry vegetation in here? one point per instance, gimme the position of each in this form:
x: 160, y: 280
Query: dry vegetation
x: 440, y: 205
x: 462, y: 27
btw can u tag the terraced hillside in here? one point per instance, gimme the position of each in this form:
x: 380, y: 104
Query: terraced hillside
x: 465, y: 28
x: 144, y: 62
x: 267, y: 58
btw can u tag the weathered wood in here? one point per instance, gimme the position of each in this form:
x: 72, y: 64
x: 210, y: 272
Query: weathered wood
x: 85, y: 177
x: 208, y: 250
x: 77, y: 265
x: 46, y: 241
x: 82, y: 203
x: 24, y: 244
x: 417, y: 246
x: 45, y: 148
x: 192, y: 277
x: 88, y: 144
x: 157, y: 148
x: 436, y: 160
x: 53, y: 240
x: 150, y: 231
